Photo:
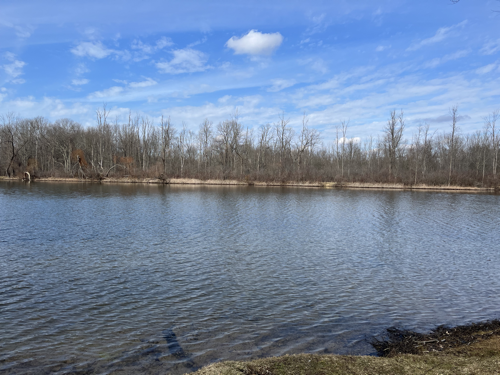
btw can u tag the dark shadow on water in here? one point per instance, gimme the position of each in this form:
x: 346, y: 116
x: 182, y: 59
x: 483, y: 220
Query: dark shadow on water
x: 176, y: 350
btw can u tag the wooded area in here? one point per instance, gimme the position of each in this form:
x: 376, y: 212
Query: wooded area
x: 273, y: 152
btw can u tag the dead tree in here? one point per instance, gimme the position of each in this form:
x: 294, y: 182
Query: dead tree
x: 393, y: 136
x: 454, y: 119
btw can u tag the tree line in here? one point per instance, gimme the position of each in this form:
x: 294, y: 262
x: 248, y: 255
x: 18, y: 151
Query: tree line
x: 228, y: 150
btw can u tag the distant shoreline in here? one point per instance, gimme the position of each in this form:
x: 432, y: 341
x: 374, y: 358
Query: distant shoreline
x: 316, y: 184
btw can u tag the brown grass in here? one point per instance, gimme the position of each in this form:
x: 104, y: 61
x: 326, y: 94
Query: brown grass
x: 482, y: 357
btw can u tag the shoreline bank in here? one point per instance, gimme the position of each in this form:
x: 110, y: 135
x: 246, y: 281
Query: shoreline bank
x: 468, y: 349
x: 317, y: 184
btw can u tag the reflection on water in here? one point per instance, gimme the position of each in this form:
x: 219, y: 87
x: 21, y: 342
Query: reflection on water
x: 104, y: 278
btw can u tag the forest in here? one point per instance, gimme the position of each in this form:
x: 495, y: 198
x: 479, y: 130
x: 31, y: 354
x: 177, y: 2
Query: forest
x: 274, y: 152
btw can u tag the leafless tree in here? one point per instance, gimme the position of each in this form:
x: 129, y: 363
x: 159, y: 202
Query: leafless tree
x: 393, y: 137
x: 205, y: 140
x: 284, y: 135
x: 344, y: 125
x: 273, y: 153
x: 454, y: 119
x: 494, y: 137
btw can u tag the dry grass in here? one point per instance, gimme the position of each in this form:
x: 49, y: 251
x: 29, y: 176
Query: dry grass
x: 482, y: 357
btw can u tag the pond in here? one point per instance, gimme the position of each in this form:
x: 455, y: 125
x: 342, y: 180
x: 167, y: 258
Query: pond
x: 116, y: 278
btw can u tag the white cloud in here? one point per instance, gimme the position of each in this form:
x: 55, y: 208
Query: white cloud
x: 317, y: 64
x: 92, y: 49
x: 201, y: 41
x: 79, y: 82
x: 441, y: 34
x: 91, y: 33
x: 319, y: 24
x: 112, y: 91
x: 148, y: 82
x: 185, y: 60
x: 163, y: 42
x: 58, y: 109
x: 491, y: 47
x: 441, y: 60
x: 487, y: 68
x: 354, y: 140
x: 150, y: 49
x: 255, y: 43
x: 81, y: 69
x: 13, y: 69
x: 225, y: 99
x: 24, y: 32
x: 10, y: 56
x: 21, y: 32
x: 143, y: 50
x: 280, y: 84
x: 22, y: 104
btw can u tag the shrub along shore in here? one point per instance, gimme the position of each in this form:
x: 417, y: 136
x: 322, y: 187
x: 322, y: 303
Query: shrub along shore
x: 467, y: 349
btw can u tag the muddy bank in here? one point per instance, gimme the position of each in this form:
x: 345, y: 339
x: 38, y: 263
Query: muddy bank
x: 401, y: 341
x: 313, y: 184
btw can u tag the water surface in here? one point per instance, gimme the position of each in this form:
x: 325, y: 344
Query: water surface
x: 117, y: 278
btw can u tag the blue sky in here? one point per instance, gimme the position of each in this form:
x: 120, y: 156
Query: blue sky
x: 334, y: 60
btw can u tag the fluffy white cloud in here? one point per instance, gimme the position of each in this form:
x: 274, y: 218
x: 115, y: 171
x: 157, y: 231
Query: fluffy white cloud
x: 79, y: 82
x: 185, y: 60
x: 255, y: 43
x: 280, y: 84
x: 441, y: 34
x: 92, y: 49
x: 148, y: 82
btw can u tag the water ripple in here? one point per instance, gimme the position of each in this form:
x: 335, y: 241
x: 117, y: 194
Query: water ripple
x: 164, y: 278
